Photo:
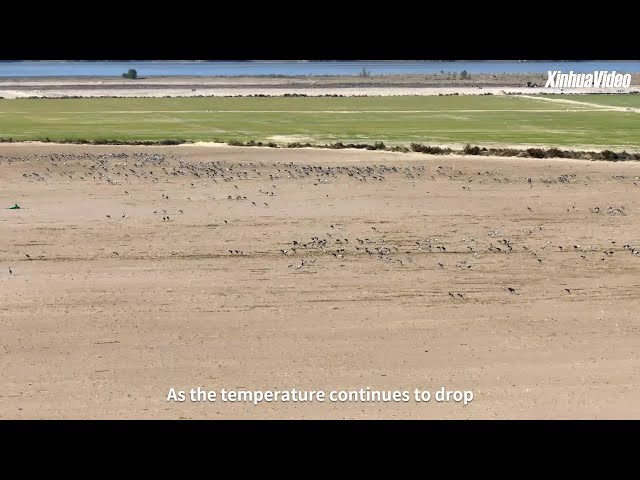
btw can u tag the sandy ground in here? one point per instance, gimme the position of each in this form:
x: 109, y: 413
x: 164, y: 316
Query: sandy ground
x: 312, y: 86
x: 125, y: 282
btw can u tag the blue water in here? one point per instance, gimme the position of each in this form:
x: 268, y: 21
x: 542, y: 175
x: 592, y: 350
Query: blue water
x: 289, y: 68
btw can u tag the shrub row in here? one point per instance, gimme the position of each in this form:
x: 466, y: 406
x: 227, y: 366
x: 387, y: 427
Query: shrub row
x: 102, y: 141
x: 552, y: 152
x: 468, y: 149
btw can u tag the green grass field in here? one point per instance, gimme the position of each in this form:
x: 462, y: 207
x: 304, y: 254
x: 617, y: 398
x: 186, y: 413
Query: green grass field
x: 632, y: 101
x: 481, y: 120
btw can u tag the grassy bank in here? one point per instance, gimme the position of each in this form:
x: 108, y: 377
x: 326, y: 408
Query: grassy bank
x: 479, y: 120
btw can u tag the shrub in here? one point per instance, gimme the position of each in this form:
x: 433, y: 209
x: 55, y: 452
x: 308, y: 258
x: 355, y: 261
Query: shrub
x: 536, y: 152
x: 399, y: 148
x: 554, y: 152
x: 469, y: 150
x: 417, y: 147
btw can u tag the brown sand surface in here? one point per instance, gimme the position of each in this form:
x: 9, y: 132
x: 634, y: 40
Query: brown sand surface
x: 105, y: 315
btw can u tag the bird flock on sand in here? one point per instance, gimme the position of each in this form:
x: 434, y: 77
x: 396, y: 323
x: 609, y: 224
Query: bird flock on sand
x: 335, y: 242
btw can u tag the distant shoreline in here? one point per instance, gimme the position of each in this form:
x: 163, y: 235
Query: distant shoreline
x: 401, y: 77
x: 277, y: 85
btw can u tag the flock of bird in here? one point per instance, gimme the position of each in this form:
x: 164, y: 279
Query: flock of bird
x: 124, y: 169
x: 466, y: 254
